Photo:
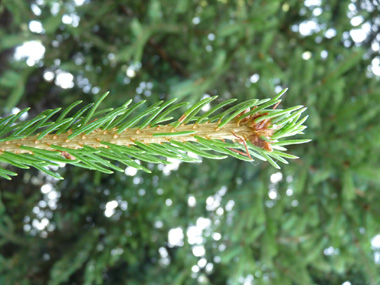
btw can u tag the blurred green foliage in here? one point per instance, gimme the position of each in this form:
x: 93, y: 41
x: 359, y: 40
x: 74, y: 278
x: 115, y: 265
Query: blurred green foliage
x: 217, y: 222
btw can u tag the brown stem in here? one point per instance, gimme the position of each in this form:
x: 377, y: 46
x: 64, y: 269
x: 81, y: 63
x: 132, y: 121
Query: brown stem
x: 127, y: 137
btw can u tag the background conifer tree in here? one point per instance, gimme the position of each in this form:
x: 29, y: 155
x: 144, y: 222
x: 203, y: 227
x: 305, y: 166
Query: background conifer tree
x: 315, y: 221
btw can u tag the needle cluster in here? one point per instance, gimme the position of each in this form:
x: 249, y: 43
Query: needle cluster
x: 129, y: 134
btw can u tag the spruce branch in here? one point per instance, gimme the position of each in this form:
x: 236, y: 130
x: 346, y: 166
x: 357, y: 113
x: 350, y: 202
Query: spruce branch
x: 92, y: 139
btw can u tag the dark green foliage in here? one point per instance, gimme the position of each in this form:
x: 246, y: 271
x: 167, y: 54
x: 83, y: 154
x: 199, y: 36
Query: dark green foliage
x: 311, y: 222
